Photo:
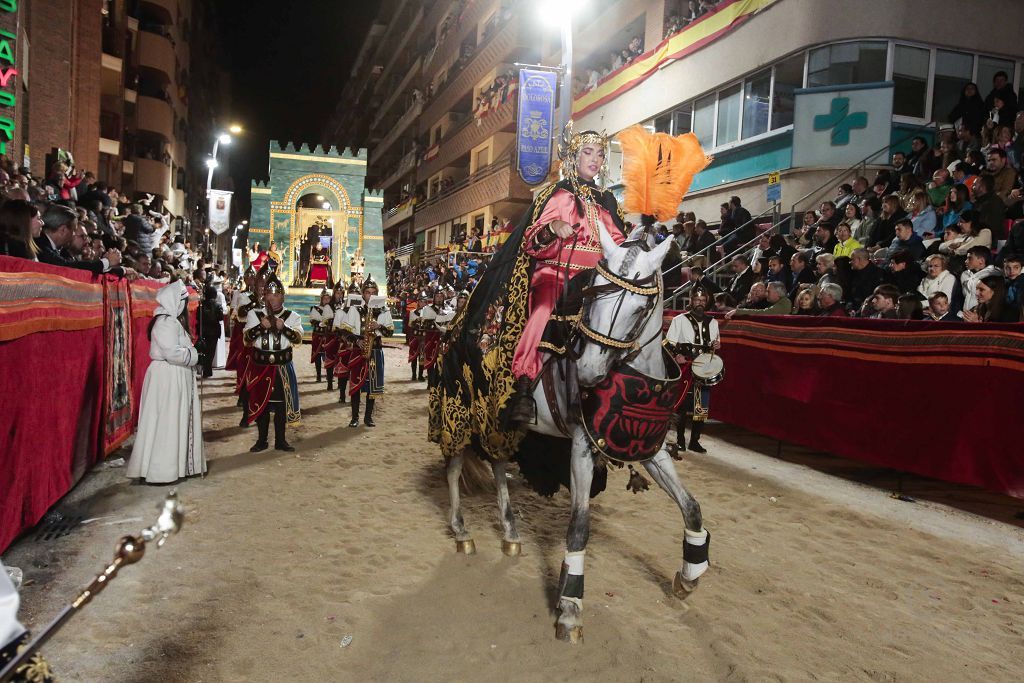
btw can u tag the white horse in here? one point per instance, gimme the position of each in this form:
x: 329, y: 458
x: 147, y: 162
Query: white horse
x: 621, y: 323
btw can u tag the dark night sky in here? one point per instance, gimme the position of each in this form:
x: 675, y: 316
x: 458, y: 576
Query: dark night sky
x: 288, y: 61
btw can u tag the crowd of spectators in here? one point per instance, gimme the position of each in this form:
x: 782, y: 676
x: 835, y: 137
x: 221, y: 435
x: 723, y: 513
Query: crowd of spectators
x: 690, y: 12
x: 939, y: 235
x: 70, y: 219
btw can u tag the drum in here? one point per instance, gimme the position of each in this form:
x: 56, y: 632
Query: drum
x: 708, y: 369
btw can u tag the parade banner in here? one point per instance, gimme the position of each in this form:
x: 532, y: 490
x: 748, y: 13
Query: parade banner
x: 537, y: 93
x: 220, y: 211
x: 117, y: 381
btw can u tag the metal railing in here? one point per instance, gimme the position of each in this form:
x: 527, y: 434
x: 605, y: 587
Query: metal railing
x: 860, y: 166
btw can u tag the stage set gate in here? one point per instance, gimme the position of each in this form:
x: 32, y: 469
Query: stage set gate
x: 349, y: 217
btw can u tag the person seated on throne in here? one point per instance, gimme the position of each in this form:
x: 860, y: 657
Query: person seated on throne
x: 273, y: 256
x: 320, y: 274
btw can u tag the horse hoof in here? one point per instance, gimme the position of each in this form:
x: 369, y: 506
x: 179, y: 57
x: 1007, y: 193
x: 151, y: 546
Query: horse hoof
x: 512, y: 548
x: 467, y: 547
x: 683, y: 587
x: 569, y: 634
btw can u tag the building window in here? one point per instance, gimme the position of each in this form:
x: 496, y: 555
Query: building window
x: 756, y: 101
x: 483, y: 158
x: 846, y: 63
x: 953, y: 70
x: 663, y: 124
x: 789, y: 76
x: 988, y: 67
x: 704, y: 121
x: 910, y: 74
x: 682, y: 119
x: 729, y: 102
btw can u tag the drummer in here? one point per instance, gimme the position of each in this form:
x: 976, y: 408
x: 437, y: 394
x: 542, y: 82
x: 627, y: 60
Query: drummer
x: 689, y: 335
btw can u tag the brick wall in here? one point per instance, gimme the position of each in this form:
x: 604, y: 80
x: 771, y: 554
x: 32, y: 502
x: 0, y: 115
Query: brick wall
x: 64, y: 80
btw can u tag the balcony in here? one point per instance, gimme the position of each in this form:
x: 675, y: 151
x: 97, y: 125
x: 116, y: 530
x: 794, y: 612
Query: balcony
x: 396, y: 215
x: 156, y: 52
x: 467, y: 135
x: 401, y: 47
x: 396, y: 131
x: 501, y: 47
x: 153, y: 177
x: 495, y: 183
x: 407, y: 164
x: 397, y: 92
x: 156, y: 116
x: 165, y: 10
x: 451, y: 43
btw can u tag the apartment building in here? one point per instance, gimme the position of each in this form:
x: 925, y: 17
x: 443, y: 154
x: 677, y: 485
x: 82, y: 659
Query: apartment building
x: 432, y: 97
x: 110, y: 81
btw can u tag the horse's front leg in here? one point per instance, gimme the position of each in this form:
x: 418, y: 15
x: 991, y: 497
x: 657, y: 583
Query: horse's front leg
x: 569, y: 626
x: 463, y: 541
x: 510, y: 544
x: 696, y: 538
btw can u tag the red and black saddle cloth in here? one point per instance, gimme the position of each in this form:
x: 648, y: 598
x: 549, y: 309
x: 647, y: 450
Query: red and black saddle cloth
x: 626, y: 415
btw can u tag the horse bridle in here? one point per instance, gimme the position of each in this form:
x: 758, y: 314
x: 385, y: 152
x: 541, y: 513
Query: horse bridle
x: 650, y: 287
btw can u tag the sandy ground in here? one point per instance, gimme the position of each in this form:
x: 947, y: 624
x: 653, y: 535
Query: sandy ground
x: 284, y: 555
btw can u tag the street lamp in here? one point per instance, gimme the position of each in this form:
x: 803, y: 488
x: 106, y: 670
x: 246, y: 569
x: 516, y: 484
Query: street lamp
x: 211, y: 163
x: 235, y: 129
x: 560, y: 14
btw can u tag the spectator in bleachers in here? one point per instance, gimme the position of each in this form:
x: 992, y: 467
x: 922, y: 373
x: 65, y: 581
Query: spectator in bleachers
x: 979, y: 266
x: 938, y: 187
x: 1012, y: 269
x: 970, y: 111
x: 698, y: 279
x: 801, y: 237
x: 824, y: 239
x: 992, y: 306
x: 830, y: 301
x: 1003, y: 174
x: 700, y: 240
x: 825, y: 268
x: 778, y: 270
x: 909, y: 307
x: 866, y: 276
x: 870, y: 211
x: 742, y: 279
x: 853, y: 216
x: 758, y: 296
x: 970, y: 232
x: 800, y: 274
x: 778, y: 303
x: 938, y: 279
x: 922, y: 215
x: 957, y: 202
x: 59, y: 227
x: 904, y: 272
x: 845, y: 243
x: 907, y: 239
x: 920, y: 160
x: 939, y: 309
x: 807, y: 302
x: 884, y: 231
x: 844, y: 195
x: 827, y: 215
x: 883, y: 303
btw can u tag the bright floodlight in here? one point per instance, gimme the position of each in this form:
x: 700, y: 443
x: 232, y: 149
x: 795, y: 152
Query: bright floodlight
x: 211, y: 163
x: 235, y: 128
x: 224, y: 138
x: 559, y: 13
x: 327, y: 205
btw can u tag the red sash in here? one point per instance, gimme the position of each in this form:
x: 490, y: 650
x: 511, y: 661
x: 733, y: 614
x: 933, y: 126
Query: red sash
x: 330, y: 350
x: 346, y: 357
x: 357, y: 368
x: 260, y: 383
x: 235, y: 346
x: 415, y: 342
x: 316, y: 346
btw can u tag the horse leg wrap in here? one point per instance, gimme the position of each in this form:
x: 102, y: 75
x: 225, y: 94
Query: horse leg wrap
x: 571, y: 580
x: 695, y: 553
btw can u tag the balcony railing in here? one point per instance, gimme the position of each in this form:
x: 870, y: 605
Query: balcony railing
x: 401, y: 48
x: 495, y: 183
x: 153, y: 177
x: 451, y: 42
x: 497, y: 49
x: 156, y: 52
x: 396, y: 131
x: 396, y: 215
x: 407, y: 164
x: 467, y: 135
x: 156, y: 116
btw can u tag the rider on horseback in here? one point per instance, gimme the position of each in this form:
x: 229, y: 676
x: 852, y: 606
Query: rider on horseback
x: 562, y: 242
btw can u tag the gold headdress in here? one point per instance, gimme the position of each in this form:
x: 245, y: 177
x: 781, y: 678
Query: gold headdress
x: 657, y: 170
x: 569, y: 147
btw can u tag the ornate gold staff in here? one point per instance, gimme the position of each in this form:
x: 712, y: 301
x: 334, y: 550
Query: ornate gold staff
x: 130, y: 550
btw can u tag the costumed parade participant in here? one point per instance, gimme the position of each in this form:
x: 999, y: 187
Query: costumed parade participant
x: 239, y: 299
x: 321, y: 318
x: 348, y: 352
x: 434, y: 319
x: 208, y: 328
x: 272, y: 332
x: 693, y: 338
x: 169, y: 440
x: 365, y: 327
x: 247, y: 302
x: 414, y: 337
x: 332, y: 343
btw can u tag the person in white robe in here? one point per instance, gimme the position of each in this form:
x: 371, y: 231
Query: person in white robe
x: 169, y: 441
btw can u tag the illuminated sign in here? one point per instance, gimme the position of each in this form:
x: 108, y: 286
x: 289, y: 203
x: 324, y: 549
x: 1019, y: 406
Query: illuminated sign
x: 8, y: 80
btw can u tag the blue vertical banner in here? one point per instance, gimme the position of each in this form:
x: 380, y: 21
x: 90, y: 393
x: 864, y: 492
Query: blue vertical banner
x: 537, y: 93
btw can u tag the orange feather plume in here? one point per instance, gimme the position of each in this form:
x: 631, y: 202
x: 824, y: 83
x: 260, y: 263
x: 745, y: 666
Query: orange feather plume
x: 657, y: 170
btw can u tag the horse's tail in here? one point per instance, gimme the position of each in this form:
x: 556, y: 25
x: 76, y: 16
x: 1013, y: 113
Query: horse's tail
x: 477, y: 474
x: 544, y: 463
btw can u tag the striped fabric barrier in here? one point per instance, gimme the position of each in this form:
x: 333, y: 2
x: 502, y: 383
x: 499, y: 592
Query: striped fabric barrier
x: 935, y: 399
x: 707, y: 29
x: 75, y: 352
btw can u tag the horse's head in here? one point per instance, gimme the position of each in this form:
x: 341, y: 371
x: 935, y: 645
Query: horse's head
x: 620, y: 304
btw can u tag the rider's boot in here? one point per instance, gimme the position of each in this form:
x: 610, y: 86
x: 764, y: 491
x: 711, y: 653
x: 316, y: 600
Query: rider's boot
x: 695, y: 430
x: 522, y: 407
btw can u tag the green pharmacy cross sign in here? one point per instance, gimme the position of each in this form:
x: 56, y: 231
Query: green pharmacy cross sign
x: 840, y: 120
